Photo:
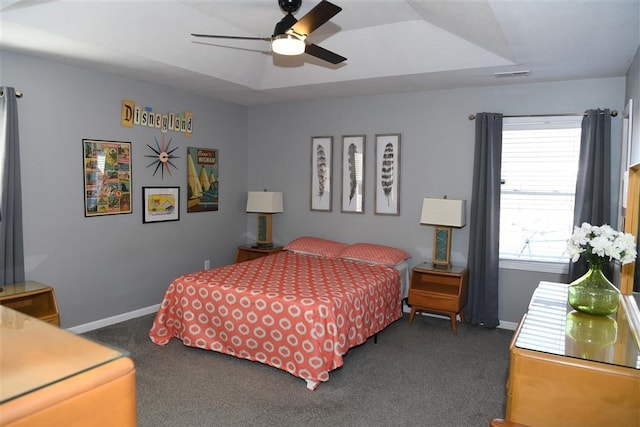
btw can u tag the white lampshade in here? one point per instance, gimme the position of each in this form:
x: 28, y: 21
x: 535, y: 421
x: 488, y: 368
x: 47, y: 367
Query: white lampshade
x: 450, y: 213
x: 264, y: 202
x: 287, y: 44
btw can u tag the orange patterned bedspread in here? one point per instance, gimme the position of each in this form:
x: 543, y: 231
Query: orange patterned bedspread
x: 298, y: 313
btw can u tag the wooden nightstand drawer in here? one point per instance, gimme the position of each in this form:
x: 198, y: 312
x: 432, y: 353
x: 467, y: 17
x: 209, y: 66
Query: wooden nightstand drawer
x: 54, y: 319
x: 434, y: 301
x: 248, y: 256
x: 435, y: 279
x: 247, y: 253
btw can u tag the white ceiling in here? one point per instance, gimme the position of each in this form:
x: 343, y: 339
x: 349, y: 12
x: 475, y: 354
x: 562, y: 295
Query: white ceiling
x: 390, y: 45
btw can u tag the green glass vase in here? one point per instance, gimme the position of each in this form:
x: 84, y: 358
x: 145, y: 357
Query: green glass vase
x: 591, y: 336
x: 593, y: 293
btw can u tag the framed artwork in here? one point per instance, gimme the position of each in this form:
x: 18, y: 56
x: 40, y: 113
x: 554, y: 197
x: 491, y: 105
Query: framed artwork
x: 352, y: 196
x: 160, y: 204
x: 627, y: 135
x: 202, y: 180
x: 387, y: 179
x: 107, y: 177
x: 627, y: 154
x: 321, y: 173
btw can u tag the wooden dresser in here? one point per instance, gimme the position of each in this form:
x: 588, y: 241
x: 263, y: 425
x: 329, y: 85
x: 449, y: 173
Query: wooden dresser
x: 52, y: 377
x: 568, y: 369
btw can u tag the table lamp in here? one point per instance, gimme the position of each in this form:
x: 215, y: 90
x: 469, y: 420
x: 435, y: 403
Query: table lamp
x: 264, y: 203
x: 444, y: 214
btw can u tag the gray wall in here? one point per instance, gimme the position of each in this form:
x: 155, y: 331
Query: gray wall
x: 105, y: 266
x: 437, y: 159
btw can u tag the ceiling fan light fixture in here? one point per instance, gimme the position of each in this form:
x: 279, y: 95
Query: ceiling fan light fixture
x: 290, y: 34
x: 287, y: 44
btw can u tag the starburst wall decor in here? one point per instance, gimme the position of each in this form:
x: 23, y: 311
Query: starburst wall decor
x: 163, y: 157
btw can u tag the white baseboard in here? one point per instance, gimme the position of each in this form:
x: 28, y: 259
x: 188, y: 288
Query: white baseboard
x: 502, y: 325
x: 507, y: 325
x: 114, y: 319
x: 154, y: 308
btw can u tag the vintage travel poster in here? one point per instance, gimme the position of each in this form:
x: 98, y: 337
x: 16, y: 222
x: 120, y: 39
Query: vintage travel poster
x: 107, y: 177
x: 202, y: 179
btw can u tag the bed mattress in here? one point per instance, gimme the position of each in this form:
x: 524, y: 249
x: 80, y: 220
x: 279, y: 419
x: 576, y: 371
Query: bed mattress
x: 296, y: 312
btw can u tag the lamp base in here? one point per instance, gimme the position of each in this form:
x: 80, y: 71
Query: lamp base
x: 443, y: 267
x: 260, y: 245
x: 442, y: 246
x: 264, y: 231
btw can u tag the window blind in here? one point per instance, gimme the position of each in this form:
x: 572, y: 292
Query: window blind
x: 539, y: 170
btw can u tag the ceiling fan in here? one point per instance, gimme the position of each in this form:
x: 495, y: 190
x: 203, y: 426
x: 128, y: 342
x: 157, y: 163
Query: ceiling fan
x: 289, y: 34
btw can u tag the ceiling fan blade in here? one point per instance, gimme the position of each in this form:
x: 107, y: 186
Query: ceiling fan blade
x: 317, y: 16
x: 324, y: 54
x: 285, y: 24
x: 214, y: 36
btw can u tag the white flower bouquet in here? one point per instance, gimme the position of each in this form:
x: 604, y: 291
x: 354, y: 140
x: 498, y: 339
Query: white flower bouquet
x: 600, y: 244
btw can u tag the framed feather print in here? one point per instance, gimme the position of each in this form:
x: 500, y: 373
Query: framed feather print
x: 321, y: 173
x: 352, y: 196
x: 387, y: 179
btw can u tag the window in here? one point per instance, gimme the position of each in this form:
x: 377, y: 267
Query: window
x: 539, y: 170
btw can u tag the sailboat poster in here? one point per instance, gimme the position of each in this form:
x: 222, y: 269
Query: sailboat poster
x: 202, y: 179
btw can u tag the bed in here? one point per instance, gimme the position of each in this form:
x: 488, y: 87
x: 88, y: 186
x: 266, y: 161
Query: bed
x: 299, y: 310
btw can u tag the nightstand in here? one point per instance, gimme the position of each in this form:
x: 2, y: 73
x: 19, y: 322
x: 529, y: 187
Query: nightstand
x: 247, y: 253
x: 31, y: 298
x: 438, y: 290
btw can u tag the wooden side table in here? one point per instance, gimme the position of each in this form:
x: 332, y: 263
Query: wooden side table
x: 438, y: 290
x: 32, y: 298
x: 247, y: 253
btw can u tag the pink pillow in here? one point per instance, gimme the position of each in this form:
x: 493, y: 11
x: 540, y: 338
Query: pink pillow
x: 372, y: 253
x: 316, y: 246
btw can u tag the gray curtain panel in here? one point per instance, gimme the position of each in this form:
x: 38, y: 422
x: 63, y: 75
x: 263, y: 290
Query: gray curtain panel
x: 11, y: 245
x: 484, y: 233
x: 593, y: 186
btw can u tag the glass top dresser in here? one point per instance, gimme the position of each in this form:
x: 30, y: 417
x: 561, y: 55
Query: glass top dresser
x: 572, y: 369
x: 49, y: 376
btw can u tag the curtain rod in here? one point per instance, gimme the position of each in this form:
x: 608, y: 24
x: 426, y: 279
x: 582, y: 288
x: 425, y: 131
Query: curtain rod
x: 18, y: 93
x: 613, y: 113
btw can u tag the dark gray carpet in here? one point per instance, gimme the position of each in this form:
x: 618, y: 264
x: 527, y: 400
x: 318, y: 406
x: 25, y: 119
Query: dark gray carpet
x: 418, y: 376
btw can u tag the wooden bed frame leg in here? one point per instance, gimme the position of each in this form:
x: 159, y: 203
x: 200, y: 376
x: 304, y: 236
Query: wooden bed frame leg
x: 312, y: 385
x: 375, y: 338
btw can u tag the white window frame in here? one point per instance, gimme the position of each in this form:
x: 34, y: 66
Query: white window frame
x: 540, y: 122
